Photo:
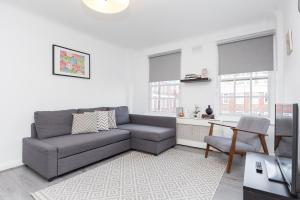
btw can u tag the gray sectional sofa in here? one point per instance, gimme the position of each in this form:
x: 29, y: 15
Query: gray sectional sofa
x: 52, y: 150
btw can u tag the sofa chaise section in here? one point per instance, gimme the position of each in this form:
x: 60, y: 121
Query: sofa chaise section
x: 152, y: 134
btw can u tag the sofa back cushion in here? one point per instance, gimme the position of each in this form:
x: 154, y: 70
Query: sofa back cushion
x: 53, y: 123
x: 122, y: 114
x: 83, y: 110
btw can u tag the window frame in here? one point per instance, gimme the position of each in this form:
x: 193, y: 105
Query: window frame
x: 250, y: 78
x: 150, y: 97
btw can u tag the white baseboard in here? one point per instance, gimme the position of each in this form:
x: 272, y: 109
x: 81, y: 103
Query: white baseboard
x: 10, y: 164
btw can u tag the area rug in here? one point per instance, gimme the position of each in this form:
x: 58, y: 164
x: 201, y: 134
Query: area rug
x: 175, y: 174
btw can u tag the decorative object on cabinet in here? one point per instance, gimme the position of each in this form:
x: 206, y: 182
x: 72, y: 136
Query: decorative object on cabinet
x: 69, y: 62
x: 209, y: 110
x: 204, y: 73
x: 196, y: 111
x: 289, y: 42
x: 206, y: 116
x: 209, y: 113
x: 179, y: 112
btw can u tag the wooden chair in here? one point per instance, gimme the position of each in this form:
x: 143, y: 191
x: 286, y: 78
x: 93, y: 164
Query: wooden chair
x: 248, y: 136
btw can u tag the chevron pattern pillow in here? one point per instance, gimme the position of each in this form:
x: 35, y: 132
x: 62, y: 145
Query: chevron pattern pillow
x: 85, y: 123
x: 102, y: 121
x: 112, y: 123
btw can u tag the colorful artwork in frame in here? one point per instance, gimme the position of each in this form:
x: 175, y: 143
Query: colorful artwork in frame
x: 69, y: 62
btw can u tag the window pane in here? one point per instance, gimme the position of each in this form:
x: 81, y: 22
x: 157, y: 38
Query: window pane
x: 260, y: 101
x: 242, y: 105
x: 227, y: 97
x: 227, y: 105
x: 243, y: 75
x: 227, y: 76
x: 260, y: 74
x: 242, y: 97
x: 242, y: 88
x: 259, y: 87
x: 245, y: 93
x: 227, y: 88
x: 260, y: 106
x: 164, y: 96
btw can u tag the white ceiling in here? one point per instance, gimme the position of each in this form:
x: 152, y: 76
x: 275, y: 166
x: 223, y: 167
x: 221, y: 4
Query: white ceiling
x: 152, y: 22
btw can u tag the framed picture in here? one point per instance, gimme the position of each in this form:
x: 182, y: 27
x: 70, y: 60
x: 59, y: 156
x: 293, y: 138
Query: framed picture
x: 289, y: 42
x: 69, y: 62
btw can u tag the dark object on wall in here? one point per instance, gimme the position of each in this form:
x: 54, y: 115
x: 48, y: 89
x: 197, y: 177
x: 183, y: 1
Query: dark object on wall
x: 299, y: 5
x: 69, y: 62
x: 208, y: 110
x: 195, y: 80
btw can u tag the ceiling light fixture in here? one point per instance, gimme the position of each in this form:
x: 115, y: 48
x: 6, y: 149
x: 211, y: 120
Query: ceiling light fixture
x: 107, y: 6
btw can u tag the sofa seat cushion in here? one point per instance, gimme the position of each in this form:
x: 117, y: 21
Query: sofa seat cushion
x: 152, y: 133
x: 224, y: 144
x: 68, y: 145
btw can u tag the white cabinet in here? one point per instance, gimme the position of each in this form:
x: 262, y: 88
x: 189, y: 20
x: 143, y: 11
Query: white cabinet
x: 191, y: 132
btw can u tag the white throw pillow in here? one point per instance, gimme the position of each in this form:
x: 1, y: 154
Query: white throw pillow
x: 102, y: 120
x: 112, y: 119
x: 85, y: 123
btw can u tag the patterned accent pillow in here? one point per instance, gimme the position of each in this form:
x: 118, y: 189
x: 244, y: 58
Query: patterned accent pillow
x: 102, y: 121
x: 112, y: 119
x: 85, y: 123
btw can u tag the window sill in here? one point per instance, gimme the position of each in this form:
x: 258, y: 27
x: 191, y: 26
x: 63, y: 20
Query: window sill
x: 236, y: 118
x: 162, y: 114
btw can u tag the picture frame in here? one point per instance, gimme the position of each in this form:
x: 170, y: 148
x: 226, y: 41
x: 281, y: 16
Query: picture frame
x: 289, y: 42
x: 70, y: 62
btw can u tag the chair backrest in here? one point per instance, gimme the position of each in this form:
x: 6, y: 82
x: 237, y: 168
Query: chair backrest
x: 255, y: 124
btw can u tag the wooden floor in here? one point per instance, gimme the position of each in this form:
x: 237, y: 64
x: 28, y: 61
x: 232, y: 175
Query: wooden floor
x: 18, y: 183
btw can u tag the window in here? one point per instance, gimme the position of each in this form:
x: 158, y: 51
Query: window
x: 246, y: 93
x: 164, y: 96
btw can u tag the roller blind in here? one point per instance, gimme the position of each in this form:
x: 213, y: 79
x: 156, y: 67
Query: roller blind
x: 165, y: 67
x: 248, y: 55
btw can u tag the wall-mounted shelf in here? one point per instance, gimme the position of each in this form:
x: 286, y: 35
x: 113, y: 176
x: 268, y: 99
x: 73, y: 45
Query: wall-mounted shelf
x: 195, y: 80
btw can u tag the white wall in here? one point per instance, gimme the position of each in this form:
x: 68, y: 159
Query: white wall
x: 291, y: 20
x: 197, y: 53
x: 27, y: 83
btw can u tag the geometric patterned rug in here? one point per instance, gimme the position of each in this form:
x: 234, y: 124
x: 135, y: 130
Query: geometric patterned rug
x: 174, y: 174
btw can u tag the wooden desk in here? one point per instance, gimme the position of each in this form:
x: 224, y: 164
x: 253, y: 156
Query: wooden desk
x: 257, y: 186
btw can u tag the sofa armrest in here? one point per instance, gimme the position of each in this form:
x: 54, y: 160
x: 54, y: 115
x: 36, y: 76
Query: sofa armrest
x: 40, y: 156
x: 168, y: 122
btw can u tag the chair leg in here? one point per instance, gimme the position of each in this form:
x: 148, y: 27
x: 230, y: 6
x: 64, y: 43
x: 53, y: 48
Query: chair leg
x: 229, y: 163
x: 207, y: 150
x: 264, y: 144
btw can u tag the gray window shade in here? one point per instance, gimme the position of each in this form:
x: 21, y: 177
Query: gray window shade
x: 249, y: 55
x: 165, y: 67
